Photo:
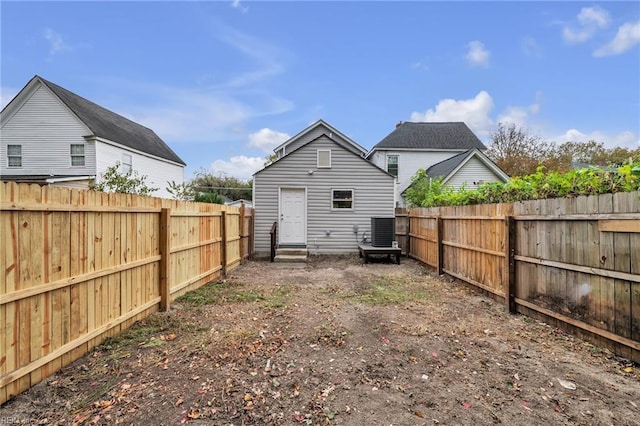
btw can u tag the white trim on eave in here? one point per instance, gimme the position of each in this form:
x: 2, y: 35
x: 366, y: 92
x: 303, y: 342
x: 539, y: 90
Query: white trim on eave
x: 458, y: 150
x: 93, y: 138
x: 305, y: 131
x: 484, y: 160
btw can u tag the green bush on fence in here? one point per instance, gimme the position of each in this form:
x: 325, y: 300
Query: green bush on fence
x: 427, y: 192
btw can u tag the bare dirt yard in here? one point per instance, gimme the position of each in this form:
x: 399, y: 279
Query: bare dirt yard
x: 337, y: 342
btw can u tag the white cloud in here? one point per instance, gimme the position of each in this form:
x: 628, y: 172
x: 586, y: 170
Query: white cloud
x: 266, y: 56
x: 595, y: 16
x: 628, y: 36
x: 237, y: 5
x: 474, y: 112
x: 420, y: 66
x: 530, y: 47
x: 56, y: 43
x: 477, y: 55
x: 240, y: 166
x: 590, y: 19
x: 625, y: 139
x: 267, y: 139
x: 519, y: 115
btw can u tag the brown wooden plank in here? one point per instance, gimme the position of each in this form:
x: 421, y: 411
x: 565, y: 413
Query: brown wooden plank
x: 607, y: 285
x: 631, y: 225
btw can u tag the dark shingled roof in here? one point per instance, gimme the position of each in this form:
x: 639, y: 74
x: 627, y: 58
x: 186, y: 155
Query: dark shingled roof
x: 111, y: 126
x: 444, y: 168
x: 452, y: 135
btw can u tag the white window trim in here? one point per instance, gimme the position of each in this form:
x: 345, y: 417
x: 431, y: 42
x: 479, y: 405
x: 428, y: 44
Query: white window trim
x: 14, y: 156
x: 124, y: 165
x: 397, y: 163
x: 353, y: 200
x: 318, y: 158
x: 72, y: 155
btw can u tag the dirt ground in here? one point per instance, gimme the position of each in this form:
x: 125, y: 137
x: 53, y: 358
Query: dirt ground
x: 337, y: 342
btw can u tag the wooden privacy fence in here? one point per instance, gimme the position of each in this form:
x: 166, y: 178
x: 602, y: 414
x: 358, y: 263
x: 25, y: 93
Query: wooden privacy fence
x: 80, y: 266
x: 573, y: 262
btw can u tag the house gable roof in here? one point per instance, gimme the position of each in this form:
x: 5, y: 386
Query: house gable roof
x: 447, y: 168
x: 110, y: 126
x: 353, y: 146
x: 284, y: 159
x: 430, y: 136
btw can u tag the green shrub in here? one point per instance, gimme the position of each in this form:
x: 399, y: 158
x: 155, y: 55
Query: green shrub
x: 427, y: 192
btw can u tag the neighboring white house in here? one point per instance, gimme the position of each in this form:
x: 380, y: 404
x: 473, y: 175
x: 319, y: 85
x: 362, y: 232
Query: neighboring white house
x: 450, y: 150
x: 321, y: 193
x: 50, y: 135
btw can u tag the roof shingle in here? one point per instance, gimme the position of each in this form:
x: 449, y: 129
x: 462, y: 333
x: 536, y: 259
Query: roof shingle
x: 448, y: 135
x: 114, y: 127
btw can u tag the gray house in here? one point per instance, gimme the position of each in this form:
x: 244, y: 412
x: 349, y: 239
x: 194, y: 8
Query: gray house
x: 321, y: 193
x: 450, y: 148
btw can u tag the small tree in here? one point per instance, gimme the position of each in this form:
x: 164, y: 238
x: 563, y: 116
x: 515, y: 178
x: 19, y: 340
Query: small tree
x: 113, y: 180
x: 208, y: 197
x: 181, y: 191
x: 516, y: 151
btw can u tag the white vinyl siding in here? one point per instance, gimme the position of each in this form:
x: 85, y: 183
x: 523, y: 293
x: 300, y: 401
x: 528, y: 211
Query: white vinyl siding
x: 411, y: 161
x: 159, y: 173
x: 14, y: 155
x: 45, y: 129
x: 329, y: 231
x: 471, y: 173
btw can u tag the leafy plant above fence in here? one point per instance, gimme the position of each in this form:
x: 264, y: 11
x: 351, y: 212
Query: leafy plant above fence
x: 427, y: 192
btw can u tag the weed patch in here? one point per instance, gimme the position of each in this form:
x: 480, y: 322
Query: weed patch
x: 219, y: 294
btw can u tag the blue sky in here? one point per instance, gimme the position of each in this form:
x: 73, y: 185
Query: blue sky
x: 224, y: 82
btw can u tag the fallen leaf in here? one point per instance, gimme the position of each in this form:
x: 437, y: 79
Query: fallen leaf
x: 194, y: 414
x: 419, y: 414
x: 171, y: 336
x: 628, y: 370
x: 567, y: 384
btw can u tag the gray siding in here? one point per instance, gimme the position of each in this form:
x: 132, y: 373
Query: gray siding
x: 314, y: 133
x: 46, y: 129
x: 373, y: 196
x: 472, y: 171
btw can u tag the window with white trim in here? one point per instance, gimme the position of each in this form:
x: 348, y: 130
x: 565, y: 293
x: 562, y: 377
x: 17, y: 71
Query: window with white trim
x: 392, y: 165
x: 14, y: 155
x: 324, y: 158
x: 342, y: 199
x: 126, y: 163
x: 77, y: 155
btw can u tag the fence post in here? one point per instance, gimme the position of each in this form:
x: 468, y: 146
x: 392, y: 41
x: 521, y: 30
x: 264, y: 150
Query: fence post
x: 510, y: 266
x: 439, y: 232
x: 223, y: 248
x: 165, y: 253
x: 241, y: 232
x: 408, y: 233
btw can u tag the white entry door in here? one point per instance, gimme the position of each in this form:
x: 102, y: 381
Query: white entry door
x: 293, y: 216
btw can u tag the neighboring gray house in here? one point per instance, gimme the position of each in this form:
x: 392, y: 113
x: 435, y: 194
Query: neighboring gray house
x: 50, y: 135
x: 321, y: 192
x: 413, y: 146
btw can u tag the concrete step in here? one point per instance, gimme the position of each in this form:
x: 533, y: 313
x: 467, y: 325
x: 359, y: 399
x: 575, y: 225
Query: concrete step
x: 283, y: 258
x: 291, y: 255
